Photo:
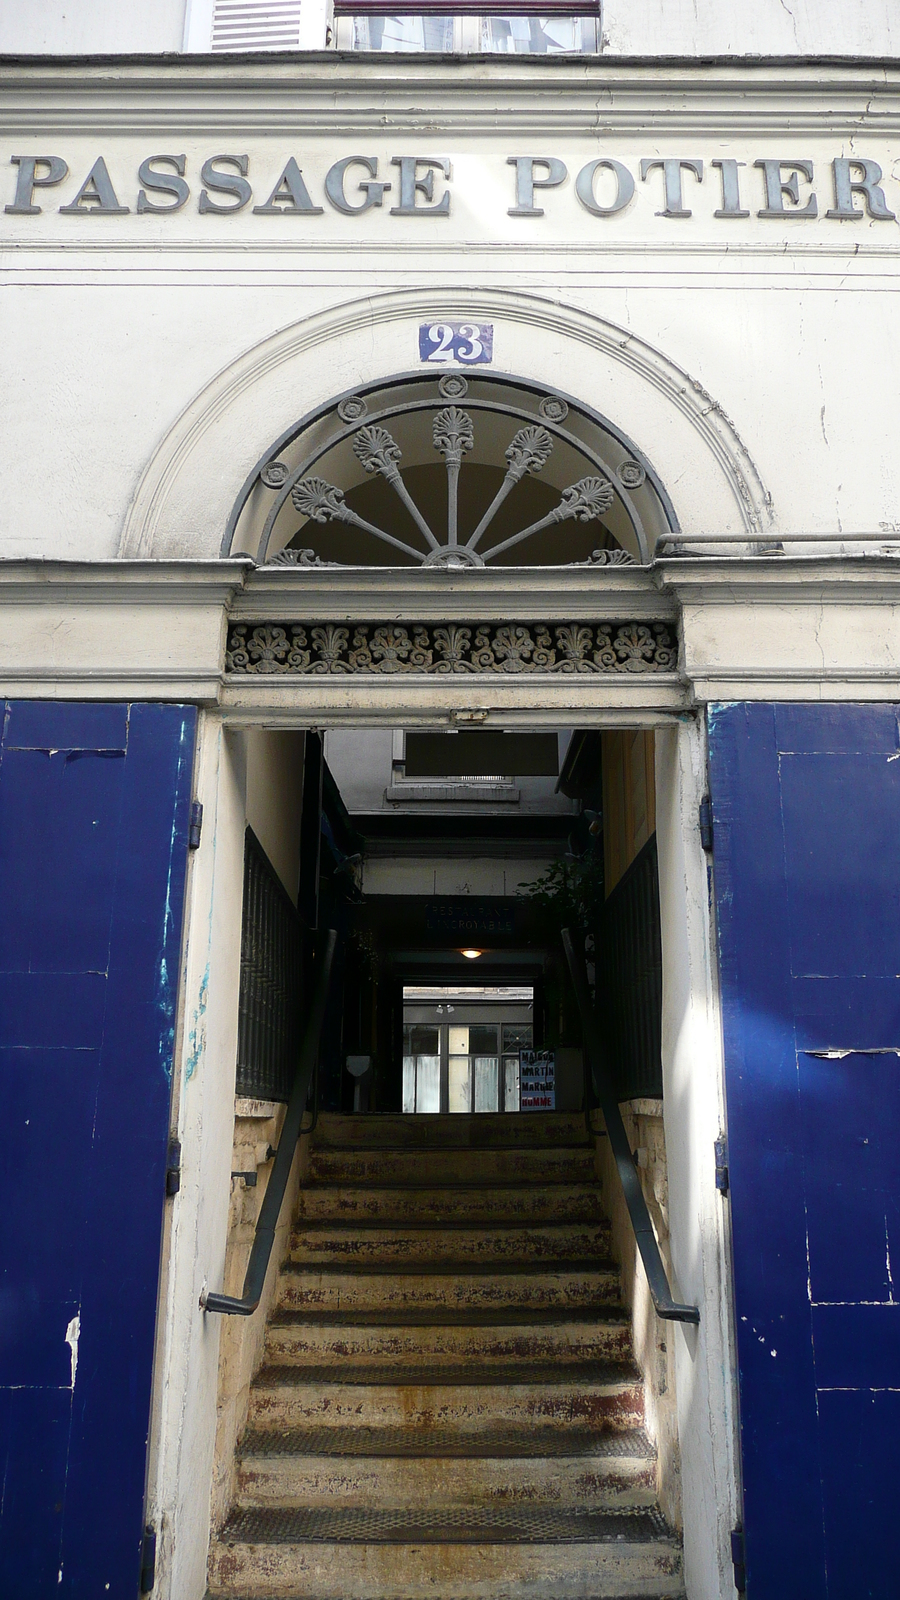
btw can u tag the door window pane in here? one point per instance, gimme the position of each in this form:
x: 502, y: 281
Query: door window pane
x: 483, y: 1041
x: 486, y: 1074
x: 517, y: 1036
x: 458, y: 1041
x: 409, y: 1083
x: 510, y: 1082
x: 423, y: 1041
x: 428, y: 1083
x: 459, y: 1097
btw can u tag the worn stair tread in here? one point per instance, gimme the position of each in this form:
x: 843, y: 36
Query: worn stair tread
x: 471, y: 1130
x: 424, y: 1375
x: 469, y: 1425
x: 457, y: 1186
x: 373, y: 1224
x: 490, y: 1443
x: 468, y: 1525
x: 448, y: 1268
x: 462, y: 1317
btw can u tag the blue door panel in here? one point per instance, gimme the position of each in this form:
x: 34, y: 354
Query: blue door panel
x: 48, y: 1104
x: 47, y: 725
x: 87, y: 1079
x: 34, y: 1488
x: 858, y: 1434
x: 52, y: 1010
x: 58, y: 816
x: 843, y: 880
x: 806, y: 803
x: 835, y: 729
x: 858, y: 1348
x: 825, y: 1008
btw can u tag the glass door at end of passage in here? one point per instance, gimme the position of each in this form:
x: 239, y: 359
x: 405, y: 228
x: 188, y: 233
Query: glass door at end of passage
x: 463, y: 1067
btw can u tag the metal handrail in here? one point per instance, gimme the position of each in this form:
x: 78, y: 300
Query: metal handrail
x: 604, y: 1089
x: 270, y: 1210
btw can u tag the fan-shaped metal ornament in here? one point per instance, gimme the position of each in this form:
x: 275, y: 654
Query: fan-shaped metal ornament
x: 453, y: 436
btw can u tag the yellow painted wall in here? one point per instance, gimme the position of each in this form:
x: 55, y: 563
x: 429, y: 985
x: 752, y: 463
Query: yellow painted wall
x: 629, y: 799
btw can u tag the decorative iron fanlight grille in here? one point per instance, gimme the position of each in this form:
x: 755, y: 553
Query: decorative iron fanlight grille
x: 365, y: 470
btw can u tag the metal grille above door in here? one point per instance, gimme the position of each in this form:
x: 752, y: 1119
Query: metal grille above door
x: 271, y: 981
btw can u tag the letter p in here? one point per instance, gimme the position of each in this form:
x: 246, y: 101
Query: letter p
x: 527, y: 182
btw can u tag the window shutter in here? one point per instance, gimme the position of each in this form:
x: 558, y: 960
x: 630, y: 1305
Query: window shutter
x: 256, y: 25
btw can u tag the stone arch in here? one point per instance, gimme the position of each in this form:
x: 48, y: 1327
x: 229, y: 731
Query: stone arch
x: 186, y: 493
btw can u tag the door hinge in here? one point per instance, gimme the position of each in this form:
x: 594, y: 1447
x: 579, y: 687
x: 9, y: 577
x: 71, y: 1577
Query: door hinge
x: 173, y: 1167
x: 706, y: 823
x: 739, y: 1560
x: 148, y: 1560
x: 721, y: 1149
x: 196, y: 827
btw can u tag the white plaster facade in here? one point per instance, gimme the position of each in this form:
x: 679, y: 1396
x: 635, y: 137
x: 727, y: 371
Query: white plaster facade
x: 629, y: 27
x: 148, y: 361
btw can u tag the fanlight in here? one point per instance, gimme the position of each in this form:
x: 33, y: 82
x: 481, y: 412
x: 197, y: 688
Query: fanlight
x: 451, y: 471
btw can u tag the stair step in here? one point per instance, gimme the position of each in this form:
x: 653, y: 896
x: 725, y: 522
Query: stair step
x: 352, y: 1243
x: 449, y: 1407
x: 476, y: 1130
x: 470, y: 1203
x: 416, y: 1398
x: 495, y: 1443
x: 435, y: 1168
x: 587, y: 1482
x: 303, y: 1344
x: 501, y: 1555
x: 495, y: 1289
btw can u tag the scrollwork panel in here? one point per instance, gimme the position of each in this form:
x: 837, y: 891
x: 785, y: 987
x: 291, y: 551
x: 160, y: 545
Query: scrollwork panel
x: 511, y: 647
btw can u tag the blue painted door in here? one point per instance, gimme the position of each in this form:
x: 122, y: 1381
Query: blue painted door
x: 806, y: 807
x: 94, y: 809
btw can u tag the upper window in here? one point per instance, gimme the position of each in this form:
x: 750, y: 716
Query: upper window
x: 554, y: 34
x: 558, y: 27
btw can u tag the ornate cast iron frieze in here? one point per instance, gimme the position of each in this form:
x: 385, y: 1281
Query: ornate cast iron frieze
x: 304, y: 649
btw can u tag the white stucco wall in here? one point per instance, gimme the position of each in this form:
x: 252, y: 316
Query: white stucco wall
x: 147, y: 362
x: 629, y: 27
x: 767, y: 27
x: 747, y: 356
x: 693, y: 1110
x: 90, y: 27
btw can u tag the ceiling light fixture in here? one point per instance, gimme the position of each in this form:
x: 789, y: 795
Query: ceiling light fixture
x: 471, y: 955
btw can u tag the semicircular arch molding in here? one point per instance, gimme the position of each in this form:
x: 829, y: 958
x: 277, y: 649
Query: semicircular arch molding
x: 184, y: 499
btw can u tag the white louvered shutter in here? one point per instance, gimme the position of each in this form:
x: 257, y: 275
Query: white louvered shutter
x: 256, y: 25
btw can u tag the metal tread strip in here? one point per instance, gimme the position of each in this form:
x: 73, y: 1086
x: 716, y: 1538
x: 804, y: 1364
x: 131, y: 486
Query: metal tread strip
x: 468, y: 1525
x: 509, y: 1444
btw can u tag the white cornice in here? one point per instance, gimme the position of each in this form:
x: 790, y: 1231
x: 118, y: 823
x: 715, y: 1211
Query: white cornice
x: 122, y: 583
x: 821, y: 580
x: 459, y: 95
x: 396, y: 595
x: 758, y: 628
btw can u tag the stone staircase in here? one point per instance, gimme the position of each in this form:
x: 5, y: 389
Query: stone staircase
x: 448, y: 1405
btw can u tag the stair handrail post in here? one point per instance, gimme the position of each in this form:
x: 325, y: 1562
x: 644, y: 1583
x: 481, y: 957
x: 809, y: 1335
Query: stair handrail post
x: 605, y: 1092
x: 270, y: 1210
